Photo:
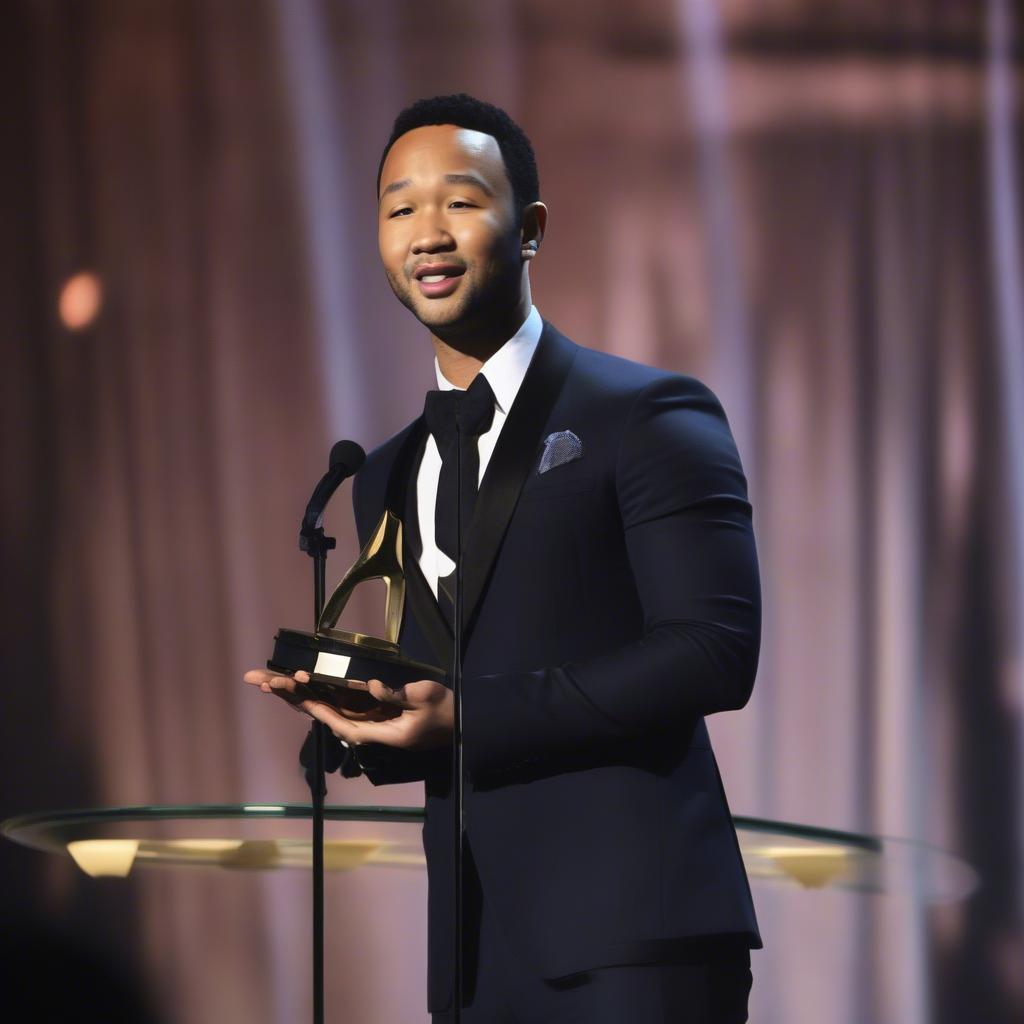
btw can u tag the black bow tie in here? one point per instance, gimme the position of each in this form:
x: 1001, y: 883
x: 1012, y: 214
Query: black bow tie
x: 473, y: 409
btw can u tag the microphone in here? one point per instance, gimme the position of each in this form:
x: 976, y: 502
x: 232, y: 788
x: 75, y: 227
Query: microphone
x: 346, y: 459
x: 349, y: 455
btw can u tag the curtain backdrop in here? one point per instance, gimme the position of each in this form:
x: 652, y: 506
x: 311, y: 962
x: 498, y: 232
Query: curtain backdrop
x: 812, y: 208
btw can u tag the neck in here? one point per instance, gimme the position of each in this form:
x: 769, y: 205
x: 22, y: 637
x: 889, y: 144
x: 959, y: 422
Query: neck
x: 461, y: 353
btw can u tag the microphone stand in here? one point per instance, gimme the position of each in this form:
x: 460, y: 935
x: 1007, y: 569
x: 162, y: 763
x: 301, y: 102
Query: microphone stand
x: 317, y: 544
x: 346, y: 458
x: 457, y: 763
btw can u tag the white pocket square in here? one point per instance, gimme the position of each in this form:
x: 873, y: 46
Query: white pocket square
x: 559, y: 448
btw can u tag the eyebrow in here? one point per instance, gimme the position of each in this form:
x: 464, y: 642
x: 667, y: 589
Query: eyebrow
x: 450, y: 179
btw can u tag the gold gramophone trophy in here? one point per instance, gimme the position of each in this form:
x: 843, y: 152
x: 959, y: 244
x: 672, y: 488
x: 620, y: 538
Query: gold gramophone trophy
x: 337, y: 659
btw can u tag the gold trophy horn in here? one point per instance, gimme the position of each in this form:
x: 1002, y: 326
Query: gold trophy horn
x: 341, y: 658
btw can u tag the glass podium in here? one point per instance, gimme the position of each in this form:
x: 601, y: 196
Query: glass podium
x: 262, y: 837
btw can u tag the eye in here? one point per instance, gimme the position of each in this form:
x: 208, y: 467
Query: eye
x: 460, y: 202
x: 395, y: 213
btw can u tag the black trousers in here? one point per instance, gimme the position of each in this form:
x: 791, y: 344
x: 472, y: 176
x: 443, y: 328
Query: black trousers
x: 707, y: 988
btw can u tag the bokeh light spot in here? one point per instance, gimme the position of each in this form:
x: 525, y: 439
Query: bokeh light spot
x: 81, y: 299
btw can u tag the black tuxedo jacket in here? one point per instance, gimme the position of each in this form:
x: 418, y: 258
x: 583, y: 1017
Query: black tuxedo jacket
x: 610, y: 604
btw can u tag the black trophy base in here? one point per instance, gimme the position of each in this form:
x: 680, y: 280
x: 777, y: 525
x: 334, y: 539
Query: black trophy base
x: 332, y: 662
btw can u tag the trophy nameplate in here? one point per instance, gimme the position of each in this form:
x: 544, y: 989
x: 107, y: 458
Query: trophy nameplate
x: 336, y: 657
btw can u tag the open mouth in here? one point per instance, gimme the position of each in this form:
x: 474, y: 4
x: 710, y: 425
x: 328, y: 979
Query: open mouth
x: 440, y: 282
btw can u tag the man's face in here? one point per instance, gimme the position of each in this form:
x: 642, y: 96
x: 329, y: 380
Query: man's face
x: 447, y: 228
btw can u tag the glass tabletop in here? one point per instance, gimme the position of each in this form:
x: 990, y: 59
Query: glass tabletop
x: 112, y: 841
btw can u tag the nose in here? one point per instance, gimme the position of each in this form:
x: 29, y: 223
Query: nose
x: 432, y: 237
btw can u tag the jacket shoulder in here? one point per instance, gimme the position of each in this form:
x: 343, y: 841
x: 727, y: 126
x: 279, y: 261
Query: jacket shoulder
x: 614, y: 376
x: 380, y: 459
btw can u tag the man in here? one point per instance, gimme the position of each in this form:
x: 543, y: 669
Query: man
x: 611, y: 600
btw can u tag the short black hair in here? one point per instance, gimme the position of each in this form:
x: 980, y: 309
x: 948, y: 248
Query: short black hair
x: 465, y: 111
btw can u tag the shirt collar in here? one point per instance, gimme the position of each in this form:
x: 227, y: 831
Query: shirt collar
x: 506, y: 369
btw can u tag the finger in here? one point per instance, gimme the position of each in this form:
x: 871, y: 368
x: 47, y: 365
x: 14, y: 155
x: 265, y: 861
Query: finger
x: 262, y: 678
x: 259, y: 676
x: 424, y: 692
x: 256, y: 676
x: 279, y: 682
x: 387, y: 695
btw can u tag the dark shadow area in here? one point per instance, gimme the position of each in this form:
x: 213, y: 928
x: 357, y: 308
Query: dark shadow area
x: 53, y: 975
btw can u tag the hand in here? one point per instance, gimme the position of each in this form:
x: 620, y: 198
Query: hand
x: 354, y: 701
x: 423, y: 717
x: 417, y: 716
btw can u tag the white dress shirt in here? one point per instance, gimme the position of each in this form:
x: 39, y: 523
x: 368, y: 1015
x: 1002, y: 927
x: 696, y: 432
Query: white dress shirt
x: 504, y: 371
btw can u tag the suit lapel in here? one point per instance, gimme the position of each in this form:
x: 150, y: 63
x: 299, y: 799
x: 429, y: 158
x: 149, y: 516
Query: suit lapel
x: 513, y: 457
x: 401, y: 501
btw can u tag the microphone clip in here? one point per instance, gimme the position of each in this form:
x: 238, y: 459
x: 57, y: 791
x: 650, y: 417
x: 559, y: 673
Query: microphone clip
x: 315, y: 542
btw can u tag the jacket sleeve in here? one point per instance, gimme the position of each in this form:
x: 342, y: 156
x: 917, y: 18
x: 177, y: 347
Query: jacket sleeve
x: 682, y: 498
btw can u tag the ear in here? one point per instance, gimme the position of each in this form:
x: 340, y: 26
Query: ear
x: 534, y: 221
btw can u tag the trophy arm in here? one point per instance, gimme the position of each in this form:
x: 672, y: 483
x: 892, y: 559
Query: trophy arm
x: 380, y: 559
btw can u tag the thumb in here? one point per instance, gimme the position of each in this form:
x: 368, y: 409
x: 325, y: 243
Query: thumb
x: 385, y: 694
